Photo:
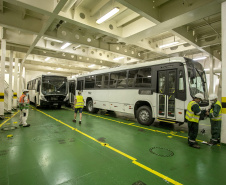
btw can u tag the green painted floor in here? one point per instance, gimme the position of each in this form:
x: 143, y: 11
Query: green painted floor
x: 104, y: 150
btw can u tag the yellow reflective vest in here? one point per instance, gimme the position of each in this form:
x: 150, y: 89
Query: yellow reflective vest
x: 80, y: 102
x: 218, y: 118
x: 190, y: 115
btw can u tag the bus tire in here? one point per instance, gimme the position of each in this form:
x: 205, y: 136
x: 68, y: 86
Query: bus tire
x: 90, y: 107
x: 144, y: 115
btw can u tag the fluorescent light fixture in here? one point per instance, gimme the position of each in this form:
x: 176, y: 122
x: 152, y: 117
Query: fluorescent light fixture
x: 167, y: 45
x: 47, y: 58
x: 118, y: 58
x: 58, y: 68
x: 199, y: 58
x: 54, y: 40
x: 107, y: 16
x: 65, y: 45
x: 149, y: 76
x: 92, y: 65
x: 49, y: 72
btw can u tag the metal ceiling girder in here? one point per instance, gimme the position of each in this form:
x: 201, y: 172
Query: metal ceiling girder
x: 72, y: 37
x: 59, y: 55
x: 49, y: 69
x: 39, y: 63
x: 1, y: 7
x: 188, y: 37
x: 13, y: 20
x: 58, y: 8
x: 85, y: 51
x: 180, y: 20
x: 67, y: 56
x: 98, y: 6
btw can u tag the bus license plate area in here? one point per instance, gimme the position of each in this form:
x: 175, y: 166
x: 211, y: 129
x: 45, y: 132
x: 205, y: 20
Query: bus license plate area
x: 55, y: 104
x: 54, y: 98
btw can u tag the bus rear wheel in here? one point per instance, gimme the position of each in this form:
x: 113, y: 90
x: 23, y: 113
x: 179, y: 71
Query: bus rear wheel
x: 144, y: 115
x: 90, y: 107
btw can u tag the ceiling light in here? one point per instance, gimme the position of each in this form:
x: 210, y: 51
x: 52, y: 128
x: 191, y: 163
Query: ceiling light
x: 199, y: 58
x: 92, y: 65
x: 65, y: 45
x: 118, y: 58
x: 47, y: 58
x: 49, y: 72
x: 107, y: 16
x: 167, y: 45
x: 54, y: 40
x: 58, y: 68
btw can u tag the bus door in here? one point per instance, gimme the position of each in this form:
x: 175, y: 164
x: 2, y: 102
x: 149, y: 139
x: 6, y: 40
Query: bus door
x: 166, y: 94
x: 71, y: 91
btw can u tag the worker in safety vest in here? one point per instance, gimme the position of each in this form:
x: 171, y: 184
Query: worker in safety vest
x: 192, y: 115
x: 78, y: 105
x: 215, y: 119
x: 24, y: 106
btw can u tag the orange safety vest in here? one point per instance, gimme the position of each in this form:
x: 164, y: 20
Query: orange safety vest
x: 22, y: 103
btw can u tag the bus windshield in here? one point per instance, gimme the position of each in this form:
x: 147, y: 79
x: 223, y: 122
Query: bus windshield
x: 197, y: 82
x: 54, y: 85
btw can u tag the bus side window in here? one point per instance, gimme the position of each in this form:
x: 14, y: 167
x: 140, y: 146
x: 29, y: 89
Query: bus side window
x: 132, y: 75
x: 106, y: 79
x: 38, y: 86
x: 99, y: 83
x: 80, y: 85
x: 122, y: 80
x: 113, y: 80
x: 181, y: 81
x: 143, y: 78
x: 89, y: 82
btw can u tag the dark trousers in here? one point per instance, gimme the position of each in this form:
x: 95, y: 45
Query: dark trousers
x: 193, y: 129
x: 215, y: 130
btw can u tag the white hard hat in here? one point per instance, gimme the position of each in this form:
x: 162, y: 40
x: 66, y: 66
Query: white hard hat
x: 25, y: 90
x: 199, y: 95
x: 213, y: 97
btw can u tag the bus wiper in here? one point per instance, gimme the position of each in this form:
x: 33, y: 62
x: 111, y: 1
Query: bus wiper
x: 203, y: 82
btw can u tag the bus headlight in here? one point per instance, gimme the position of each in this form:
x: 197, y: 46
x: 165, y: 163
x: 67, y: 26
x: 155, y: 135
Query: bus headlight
x: 42, y: 97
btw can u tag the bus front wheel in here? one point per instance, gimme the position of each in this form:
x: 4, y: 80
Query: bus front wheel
x: 90, y: 107
x: 144, y: 115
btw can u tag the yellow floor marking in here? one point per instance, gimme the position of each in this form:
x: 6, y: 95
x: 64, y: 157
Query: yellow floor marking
x: 119, y: 152
x: 170, y: 136
x: 8, y: 119
x: 157, y: 173
x: 133, y: 125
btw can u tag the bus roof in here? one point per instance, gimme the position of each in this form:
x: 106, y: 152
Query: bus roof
x: 151, y: 63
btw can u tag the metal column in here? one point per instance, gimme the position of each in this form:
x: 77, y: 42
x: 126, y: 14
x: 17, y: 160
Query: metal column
x: 10, y: 95
x: 2, y: 79
x: 211, y: 60
x: 15, y: 84
x: 223, y: 22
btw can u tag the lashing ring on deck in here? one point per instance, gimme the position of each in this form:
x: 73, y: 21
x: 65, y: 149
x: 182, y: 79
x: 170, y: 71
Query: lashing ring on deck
x: 170, y: 153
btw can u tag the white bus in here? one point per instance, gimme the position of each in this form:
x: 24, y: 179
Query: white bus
x: 153, y: 90
x: 48, y: 90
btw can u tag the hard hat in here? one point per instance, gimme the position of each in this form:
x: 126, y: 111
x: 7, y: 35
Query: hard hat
x: 213, y: 97
x: 199, y: 95
x: 25, y: 90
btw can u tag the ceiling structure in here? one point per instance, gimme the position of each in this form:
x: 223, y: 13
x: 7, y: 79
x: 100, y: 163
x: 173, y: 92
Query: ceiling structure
x: 36, y: 31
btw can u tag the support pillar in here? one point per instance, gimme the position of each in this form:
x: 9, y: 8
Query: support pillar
x: 211, y: 62
x: 21, y: 79
x: 223, y: 43
x: 15, y: 84
x: 2, y: 77
x: 10, y: 95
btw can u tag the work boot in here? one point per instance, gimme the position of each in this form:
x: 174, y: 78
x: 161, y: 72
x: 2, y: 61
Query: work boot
x: 195, y: 146
x: 74, y: 120
x: 211, y: 143
x: 28, y: 125
x: 80, y: 122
